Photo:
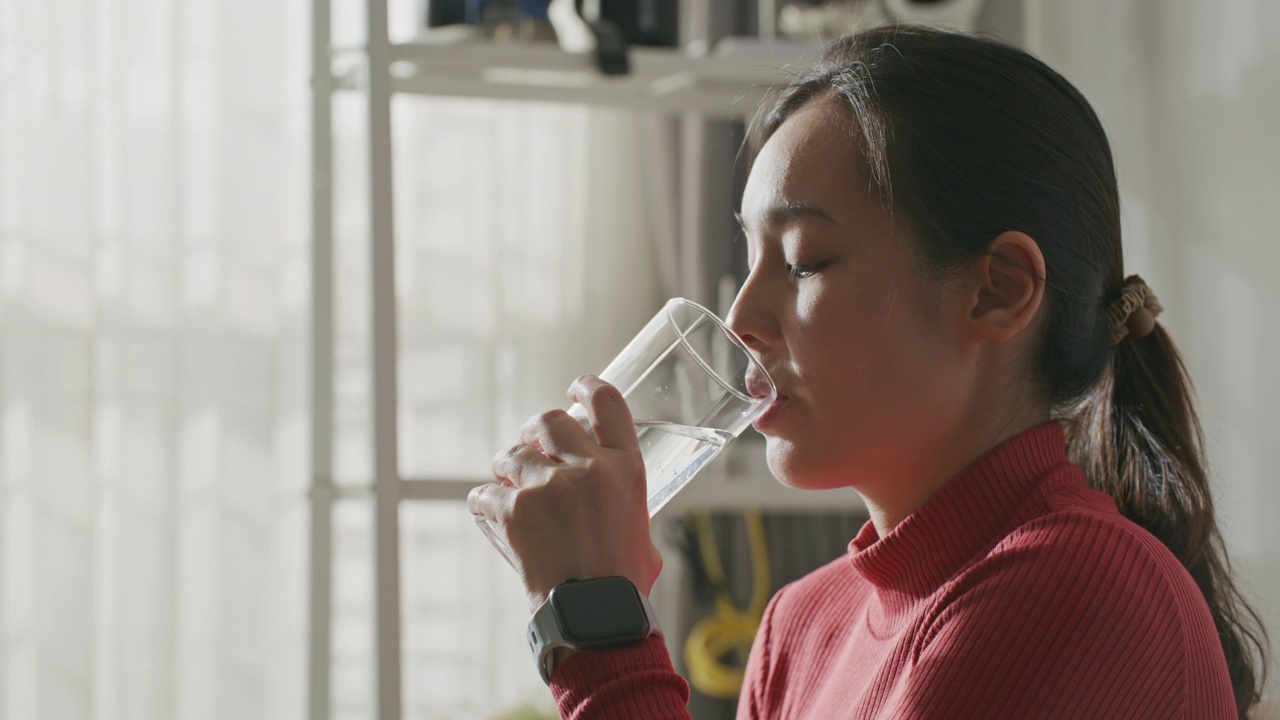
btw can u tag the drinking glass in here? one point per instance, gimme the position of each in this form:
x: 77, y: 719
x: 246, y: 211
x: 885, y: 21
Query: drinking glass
x: 685, y: 378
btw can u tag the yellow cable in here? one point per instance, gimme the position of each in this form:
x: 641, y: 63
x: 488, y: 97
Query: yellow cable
x: 713, y: 638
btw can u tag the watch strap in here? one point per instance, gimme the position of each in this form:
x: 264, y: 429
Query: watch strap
x: 546, y: 631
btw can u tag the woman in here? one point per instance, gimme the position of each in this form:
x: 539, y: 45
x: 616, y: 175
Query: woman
x: 936, y: 286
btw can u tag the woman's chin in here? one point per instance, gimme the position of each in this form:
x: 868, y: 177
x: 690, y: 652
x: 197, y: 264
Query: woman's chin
x: 793, y: 468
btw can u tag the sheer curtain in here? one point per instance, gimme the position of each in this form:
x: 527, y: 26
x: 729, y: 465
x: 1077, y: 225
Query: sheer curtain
x: 1188, y: 93
x: 153, y: 315
x: 154, y: 312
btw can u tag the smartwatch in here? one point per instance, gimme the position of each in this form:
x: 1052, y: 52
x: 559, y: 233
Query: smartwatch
x: 583, y: 614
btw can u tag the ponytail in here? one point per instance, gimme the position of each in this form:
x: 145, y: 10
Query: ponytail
x: 1138, y: 439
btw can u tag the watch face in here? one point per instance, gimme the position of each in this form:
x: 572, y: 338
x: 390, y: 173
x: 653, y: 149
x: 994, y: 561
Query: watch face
x: 597, y: 611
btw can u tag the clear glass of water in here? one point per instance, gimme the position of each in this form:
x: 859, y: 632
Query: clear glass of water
x: 689, y: 382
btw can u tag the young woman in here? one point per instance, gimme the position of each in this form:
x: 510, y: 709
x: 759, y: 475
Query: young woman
x: 936, y: 286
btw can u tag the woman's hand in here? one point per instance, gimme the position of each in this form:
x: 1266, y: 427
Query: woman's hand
x: 571, y: 506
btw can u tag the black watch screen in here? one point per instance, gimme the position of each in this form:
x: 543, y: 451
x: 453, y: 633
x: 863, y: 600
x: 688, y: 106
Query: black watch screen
x: 600, y: 610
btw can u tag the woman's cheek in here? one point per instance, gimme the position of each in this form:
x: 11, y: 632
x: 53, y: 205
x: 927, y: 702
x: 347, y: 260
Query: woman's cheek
x: 811, y: 300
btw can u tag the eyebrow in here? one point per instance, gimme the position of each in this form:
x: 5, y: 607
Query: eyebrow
x: 788, y: 213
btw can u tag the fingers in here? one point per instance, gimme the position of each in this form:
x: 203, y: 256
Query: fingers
x: 557, y: 434
x: 490, y: 500
x: 521, y: 465
x: 608, y: 412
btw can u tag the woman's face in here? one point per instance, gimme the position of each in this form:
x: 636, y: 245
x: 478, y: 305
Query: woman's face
x: 861, y: 346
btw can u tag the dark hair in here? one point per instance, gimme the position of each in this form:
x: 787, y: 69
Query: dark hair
x: 968, y: 137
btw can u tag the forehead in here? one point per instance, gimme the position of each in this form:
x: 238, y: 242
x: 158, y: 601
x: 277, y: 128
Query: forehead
x: 812, y: 158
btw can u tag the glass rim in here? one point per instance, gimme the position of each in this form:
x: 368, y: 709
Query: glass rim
x: 733, y: 338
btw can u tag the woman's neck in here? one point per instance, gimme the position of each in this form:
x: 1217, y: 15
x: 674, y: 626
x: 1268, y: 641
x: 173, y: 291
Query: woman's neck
x: 891, y: 501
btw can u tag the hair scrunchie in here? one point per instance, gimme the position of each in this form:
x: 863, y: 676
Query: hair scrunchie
x: 1134, y: 312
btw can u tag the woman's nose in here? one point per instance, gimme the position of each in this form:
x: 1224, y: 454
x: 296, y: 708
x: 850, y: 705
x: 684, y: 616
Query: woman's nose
x: 749, y: 317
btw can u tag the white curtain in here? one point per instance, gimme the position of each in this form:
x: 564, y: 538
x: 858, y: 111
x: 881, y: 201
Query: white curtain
x: 153, y: 316
x: 1189, y: 93
x: 154, y: 311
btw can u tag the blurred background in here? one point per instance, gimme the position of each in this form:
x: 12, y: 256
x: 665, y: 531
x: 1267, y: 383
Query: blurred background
x: 278, y: 277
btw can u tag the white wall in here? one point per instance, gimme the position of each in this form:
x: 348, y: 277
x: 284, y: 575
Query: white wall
x: 1190, y: 94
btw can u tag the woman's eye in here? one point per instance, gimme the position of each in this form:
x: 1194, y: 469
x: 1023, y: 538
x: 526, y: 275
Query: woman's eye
x: 800, y: 272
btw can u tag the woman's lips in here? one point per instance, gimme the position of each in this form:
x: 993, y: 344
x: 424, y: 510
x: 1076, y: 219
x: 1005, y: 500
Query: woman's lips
x: 757, y: 385
x: 770, y: 414
x: 762, y: 387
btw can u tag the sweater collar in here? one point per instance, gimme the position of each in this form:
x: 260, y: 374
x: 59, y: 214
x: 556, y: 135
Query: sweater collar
x: 967, y: 514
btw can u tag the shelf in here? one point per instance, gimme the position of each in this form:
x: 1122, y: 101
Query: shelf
x: 728, y: 82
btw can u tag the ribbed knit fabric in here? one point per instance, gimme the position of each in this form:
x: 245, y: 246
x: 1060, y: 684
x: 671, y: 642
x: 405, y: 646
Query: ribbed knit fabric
x: 1014, y: 592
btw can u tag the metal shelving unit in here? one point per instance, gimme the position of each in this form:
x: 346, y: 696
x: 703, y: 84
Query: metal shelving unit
x: 727, y: 86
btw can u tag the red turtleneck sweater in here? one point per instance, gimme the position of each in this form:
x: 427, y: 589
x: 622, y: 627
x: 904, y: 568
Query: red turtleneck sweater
x: 1014, y: 592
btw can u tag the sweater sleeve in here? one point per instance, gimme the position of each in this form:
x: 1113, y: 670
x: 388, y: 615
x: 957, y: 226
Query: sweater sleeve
x: 1014, y: 639
x: 636, y: 682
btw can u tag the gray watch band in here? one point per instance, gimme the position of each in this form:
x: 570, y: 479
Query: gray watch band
x: 546, y: 633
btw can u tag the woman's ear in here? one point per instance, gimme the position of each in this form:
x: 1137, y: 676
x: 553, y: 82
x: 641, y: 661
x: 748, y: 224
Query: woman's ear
x: 1009, y: 281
